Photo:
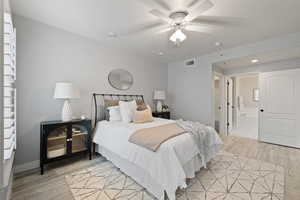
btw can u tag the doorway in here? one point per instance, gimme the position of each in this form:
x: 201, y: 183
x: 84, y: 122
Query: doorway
x: 243, y: 105
x: 218, y: 100
x: 218, y: 80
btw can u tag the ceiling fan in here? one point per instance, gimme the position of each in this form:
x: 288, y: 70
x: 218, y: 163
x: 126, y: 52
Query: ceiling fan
x: 181, y: 16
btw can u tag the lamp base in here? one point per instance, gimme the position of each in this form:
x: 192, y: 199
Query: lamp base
x: 159, y: 106
x: 66, y: 114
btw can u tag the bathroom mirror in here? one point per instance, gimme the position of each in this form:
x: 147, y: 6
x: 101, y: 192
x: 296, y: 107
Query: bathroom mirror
x: 120, y: 79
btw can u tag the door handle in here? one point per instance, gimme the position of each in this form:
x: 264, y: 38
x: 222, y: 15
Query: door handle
x: 261, y: 110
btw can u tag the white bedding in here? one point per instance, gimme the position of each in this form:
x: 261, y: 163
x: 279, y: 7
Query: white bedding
x: 166, y: 166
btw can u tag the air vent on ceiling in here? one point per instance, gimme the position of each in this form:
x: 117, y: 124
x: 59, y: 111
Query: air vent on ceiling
x: 190, y: 63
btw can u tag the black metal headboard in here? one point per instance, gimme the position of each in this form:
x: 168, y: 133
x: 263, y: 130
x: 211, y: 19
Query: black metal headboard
x: 122, y: 97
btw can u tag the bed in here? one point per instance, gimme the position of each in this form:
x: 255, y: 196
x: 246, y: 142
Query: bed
x: 161, y: 172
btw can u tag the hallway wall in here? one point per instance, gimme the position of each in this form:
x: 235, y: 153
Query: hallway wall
x: 246, y: 85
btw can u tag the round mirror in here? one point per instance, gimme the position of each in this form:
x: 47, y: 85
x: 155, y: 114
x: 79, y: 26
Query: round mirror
x: 120, y: 79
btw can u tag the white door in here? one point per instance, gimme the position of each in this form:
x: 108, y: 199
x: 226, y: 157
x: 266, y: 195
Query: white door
x: 279, y: 120
x: 229, y: 105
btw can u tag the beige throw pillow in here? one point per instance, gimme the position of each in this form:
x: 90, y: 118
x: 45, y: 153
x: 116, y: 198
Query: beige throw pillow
x: 140, y: 102
x: 141, y: 107
x: 143, y: 116
x: 115, y: 102
x: 110, y: 103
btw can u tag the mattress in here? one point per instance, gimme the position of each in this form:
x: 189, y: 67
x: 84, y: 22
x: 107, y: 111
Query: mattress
x: 168, y: 167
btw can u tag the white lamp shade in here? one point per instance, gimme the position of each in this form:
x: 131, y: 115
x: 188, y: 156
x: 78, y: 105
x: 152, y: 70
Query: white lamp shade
x: 66, y: 91
x: 159, y: 95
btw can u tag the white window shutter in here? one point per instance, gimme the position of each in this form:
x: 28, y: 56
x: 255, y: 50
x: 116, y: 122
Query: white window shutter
x: 9, y: 78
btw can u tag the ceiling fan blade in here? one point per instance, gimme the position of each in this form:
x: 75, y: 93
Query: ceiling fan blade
x: 202, y: 5
x: 191, y: 3
x: 198, y: 29
x: 159, y: 4
x: 163, y: 4
x: 217, y: 20
x: 160, y: 15
x: 199, y: 8
x: 155, y: 26
x: 165, y: 30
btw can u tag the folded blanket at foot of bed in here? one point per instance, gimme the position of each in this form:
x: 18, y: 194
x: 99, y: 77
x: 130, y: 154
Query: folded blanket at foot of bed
x: 152, y: 138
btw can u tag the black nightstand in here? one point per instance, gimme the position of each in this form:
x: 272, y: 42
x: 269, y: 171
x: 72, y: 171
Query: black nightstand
x: 60, y: 140
x: 165, y: 115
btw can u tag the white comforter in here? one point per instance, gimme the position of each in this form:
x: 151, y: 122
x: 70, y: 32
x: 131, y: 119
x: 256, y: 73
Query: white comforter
x: 165, y: 165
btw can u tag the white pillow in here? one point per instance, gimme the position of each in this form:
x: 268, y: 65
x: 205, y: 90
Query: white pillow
x: 114, y: 113
x: 127, y: 110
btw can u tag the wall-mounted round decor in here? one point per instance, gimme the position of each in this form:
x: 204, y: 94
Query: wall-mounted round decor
x: 120, y: 79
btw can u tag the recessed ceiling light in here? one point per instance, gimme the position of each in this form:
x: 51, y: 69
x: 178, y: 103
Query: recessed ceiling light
x: 161, y: 53
x: 255, y: 60
x: 112, y: 35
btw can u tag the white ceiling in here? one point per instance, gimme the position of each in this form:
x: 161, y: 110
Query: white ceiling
x: 266, y: 57
x: 260, y: 19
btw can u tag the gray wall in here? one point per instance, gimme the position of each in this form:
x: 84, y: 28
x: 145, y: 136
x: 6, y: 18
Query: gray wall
x: 190, y: 92
x: 246, y: 85
x: 46, y: 55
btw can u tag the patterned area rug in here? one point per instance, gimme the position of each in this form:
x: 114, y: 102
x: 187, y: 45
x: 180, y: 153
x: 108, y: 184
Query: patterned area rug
x: 227, y: 177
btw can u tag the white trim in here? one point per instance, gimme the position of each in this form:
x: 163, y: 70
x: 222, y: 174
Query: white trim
x: 27, y: 166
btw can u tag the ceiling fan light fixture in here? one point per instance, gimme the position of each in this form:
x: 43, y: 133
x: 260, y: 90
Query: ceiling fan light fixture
x: 178, y: 36
x: 178, y: 16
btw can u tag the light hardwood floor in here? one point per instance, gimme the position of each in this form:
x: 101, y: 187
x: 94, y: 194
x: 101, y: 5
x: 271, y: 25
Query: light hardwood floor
x: 32, y: 186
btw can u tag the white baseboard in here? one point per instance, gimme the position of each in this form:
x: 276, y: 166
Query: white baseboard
x: 27, y: 166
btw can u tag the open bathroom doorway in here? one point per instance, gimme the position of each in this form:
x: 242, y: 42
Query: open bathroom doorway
x: 219, y: 103
x: 243, y: 105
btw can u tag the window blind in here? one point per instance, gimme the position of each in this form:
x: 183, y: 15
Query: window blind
x: 9, y: 91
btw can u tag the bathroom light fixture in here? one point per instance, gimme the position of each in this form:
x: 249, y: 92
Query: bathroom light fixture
x: 178, y: 36
x: 255, y: 60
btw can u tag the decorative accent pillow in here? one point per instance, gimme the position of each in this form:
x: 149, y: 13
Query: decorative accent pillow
x: 110, y: 103
x: 141, y: 107
x: 140, y: 102
x: 114, y: 113
x: 127, y: 109
x: 143, y: 116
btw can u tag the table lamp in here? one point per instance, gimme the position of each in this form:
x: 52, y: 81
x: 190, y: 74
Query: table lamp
x: 159, y: 95
x: 66, y: 91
